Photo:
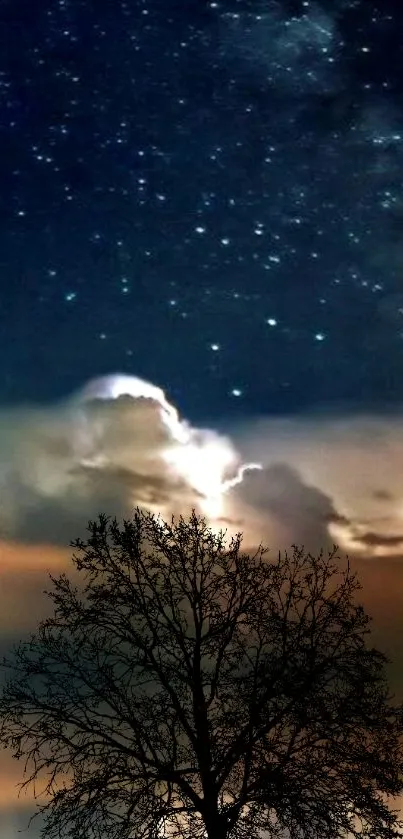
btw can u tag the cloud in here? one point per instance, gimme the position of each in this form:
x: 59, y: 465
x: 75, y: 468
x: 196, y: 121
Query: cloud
x: 291, y: 511
x: 116, y: 444
x: 348, y: 471
x: 119, y: 443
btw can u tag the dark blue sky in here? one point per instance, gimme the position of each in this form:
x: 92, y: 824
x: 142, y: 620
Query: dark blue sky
x: 205, y: 194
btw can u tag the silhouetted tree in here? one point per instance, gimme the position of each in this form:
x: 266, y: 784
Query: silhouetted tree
x: 186, y: 689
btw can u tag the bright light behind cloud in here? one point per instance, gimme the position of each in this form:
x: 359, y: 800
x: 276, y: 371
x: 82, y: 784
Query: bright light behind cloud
x: 117, y: 384
x: 206, y: 461
x: 119, y: 443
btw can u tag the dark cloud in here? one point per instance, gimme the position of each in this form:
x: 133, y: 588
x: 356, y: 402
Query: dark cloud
x: 295, y: 512
x: 372, y: 540
x: 382, y: 495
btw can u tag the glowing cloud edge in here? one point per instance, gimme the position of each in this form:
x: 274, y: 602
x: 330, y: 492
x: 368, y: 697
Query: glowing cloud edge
x: 207, y: 461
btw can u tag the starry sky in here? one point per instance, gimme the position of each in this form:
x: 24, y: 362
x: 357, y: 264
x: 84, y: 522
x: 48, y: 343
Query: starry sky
x: 205, y: 194
x: 201, y: 245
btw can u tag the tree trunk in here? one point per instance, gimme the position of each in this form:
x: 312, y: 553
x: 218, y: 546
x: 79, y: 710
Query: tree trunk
x: 217, y: 828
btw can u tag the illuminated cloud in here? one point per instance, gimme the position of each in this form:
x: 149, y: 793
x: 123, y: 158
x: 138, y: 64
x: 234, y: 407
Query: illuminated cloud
x: 119, y: 442
x: 116, y: 444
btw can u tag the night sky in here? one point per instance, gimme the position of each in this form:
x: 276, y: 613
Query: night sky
x: 201, y: 245
x: 204, y: 194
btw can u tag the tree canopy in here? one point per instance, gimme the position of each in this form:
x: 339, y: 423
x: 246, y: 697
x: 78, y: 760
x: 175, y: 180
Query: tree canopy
x: 183, y: 688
